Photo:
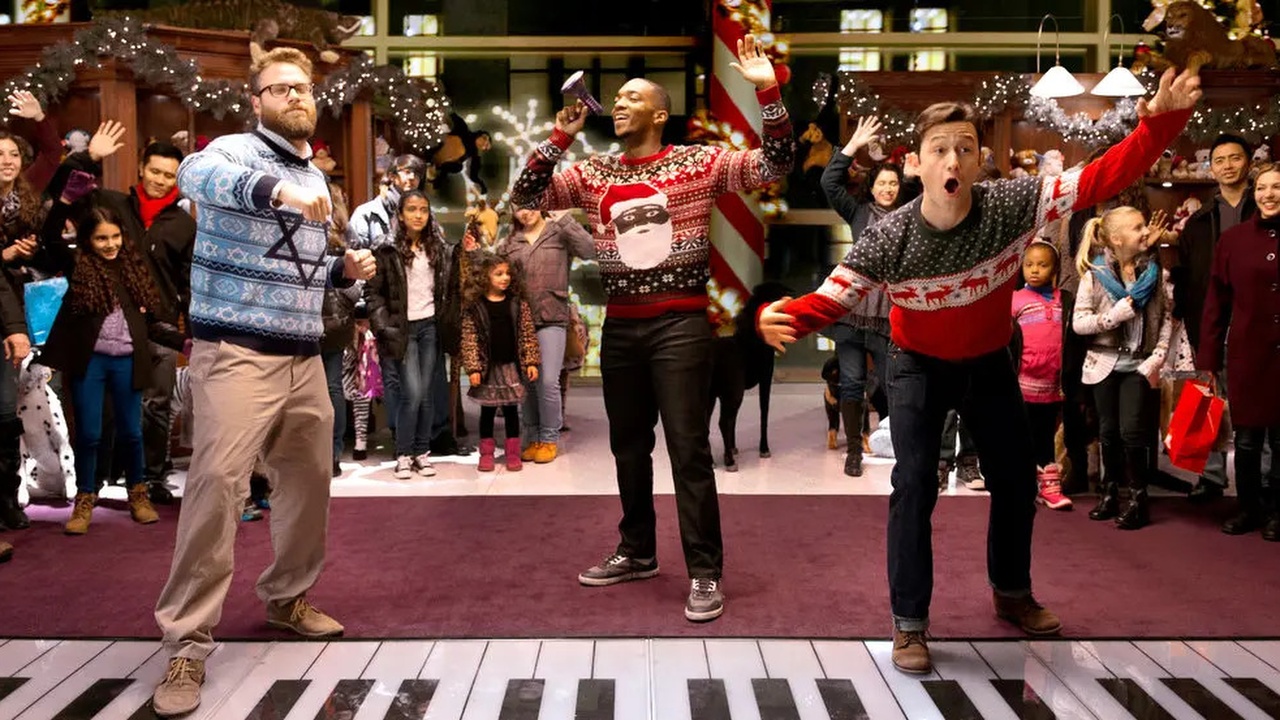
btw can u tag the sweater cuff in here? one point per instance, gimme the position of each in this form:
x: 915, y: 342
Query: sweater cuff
x: 561, y: 139
x: 264, y: 191
x: 771, y: 94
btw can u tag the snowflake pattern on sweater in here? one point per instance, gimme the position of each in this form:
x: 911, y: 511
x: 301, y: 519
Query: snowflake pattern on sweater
x: 650, y: 217
x: 951, y: 290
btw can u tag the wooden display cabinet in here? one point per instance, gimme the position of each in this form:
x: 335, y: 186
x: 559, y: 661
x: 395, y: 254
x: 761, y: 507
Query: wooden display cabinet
x: 112, y: 93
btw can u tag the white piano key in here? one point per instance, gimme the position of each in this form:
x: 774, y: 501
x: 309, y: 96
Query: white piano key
x: 796, y: 662
x: 1236, y: 662
x: 737, y: 662
x: 17, y: 654
x: 225, y: 672
x: 911, y: 695
x: 675, y: 662
x: 395, y: 661
x: 454, y: 664
x: 338, y: 661
x: 1014, y: 661
x: 1127, y: 661
x: 1079, y: 670
x: 626, y: 662
x: 281, y: 661
x: 119, y: 660
x: 847, y: 660
x: 960, y: 662
x: 48, y: 670
x: 504, y: 660
x: 1268, y: 650
x: 1180, y: 661
x: 562, y: 663
x: 139, y: 693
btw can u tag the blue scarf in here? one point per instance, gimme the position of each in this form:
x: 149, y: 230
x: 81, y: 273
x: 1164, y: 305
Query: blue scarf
x: 1143, y: 288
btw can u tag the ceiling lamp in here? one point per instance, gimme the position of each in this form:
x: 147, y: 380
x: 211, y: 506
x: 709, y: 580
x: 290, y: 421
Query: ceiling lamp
x: 1120, y: 82
x: 1058, y: 82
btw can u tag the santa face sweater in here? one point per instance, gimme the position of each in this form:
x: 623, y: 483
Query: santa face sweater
x: 650, y: 216
x: 952, y: 289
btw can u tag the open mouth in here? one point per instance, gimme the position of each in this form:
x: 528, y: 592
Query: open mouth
x: 952, y: 186
x: 1174, y: 33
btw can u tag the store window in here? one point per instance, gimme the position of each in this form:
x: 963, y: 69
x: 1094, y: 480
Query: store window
x: 860, y: 59
x: 929, y: 20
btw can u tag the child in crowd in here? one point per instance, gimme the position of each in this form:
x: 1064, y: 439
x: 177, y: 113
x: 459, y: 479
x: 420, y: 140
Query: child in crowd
x: 498, y: 341
x: 361, y: 380
x: 101, y: 341
x: 1038, y: 311
x: 1125, y: 306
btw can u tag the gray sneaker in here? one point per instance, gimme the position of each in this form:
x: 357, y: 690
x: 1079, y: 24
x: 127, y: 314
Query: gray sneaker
x: 423, y: 465
x: 618, y: 568
x: 179, y: 692
x: 705, y: 602
x: 404, y: 467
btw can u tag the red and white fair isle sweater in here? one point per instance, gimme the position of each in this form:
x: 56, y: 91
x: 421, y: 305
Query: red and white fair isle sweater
x: 951, y: 290
x: 650, y: 216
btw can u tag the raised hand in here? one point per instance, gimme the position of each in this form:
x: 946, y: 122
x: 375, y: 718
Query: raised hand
x: 868, y: 128
x: 106, y: 141
x: 752, y: 64
x: 25, y: 105
x: 1175, y: 93
x: 570, y: 120
x: 775, y: 326
x: 359, y: 264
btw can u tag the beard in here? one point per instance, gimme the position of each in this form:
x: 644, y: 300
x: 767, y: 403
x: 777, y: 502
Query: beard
x: 289, y: 124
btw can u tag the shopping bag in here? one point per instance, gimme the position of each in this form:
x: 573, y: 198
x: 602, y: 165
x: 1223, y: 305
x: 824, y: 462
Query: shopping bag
x: 43, y: 299
x: 1193, y: 429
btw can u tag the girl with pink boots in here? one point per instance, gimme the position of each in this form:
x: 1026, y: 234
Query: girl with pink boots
x: 498, y: 342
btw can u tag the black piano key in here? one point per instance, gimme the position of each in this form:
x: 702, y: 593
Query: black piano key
x: 1201, y: 699
x: 595, y: 700
x: 1267, y: 700
x: 1134, y: 699
x: 278, y: 700
x: 951, y: 700
x: 522, y: 701
x: 9, y: 684
x: 708, y: 700
x: 92, y: 700
x: 774, y: 699
x: 842, y: 700
x: 412, y: 700
x: 1026, y: 704
x: 345, y: 699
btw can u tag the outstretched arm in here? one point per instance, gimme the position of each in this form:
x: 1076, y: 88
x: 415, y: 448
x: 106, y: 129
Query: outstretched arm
x: 749, y: 169
x: 835, y: 176
x: 539, y: 184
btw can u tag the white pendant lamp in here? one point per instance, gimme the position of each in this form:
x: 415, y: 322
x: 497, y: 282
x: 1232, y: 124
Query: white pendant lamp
x: 1058, y: 82
x: 1120, y: 82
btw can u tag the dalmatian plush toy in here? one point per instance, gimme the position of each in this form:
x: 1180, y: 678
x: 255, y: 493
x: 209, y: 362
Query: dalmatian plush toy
x: 48, y: 463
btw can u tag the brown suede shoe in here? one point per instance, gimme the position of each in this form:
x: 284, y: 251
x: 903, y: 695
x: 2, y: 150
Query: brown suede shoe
x: 1027, y: 614
x: 81, y: 514
x: 911, y: 653
x: 140, y: 506
x: 303, y: 618
x: 179, y: 692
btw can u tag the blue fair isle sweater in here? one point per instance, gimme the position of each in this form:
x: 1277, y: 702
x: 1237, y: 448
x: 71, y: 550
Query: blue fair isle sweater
x: 258, y: 273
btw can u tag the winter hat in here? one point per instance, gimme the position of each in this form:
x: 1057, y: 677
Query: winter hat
x: 621, y: 198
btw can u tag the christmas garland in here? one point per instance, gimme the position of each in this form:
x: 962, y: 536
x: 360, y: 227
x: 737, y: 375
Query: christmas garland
x: 420, y: 109
x: 1012, y: 90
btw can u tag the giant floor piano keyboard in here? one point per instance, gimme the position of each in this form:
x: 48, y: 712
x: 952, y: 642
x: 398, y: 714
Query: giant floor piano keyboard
x: 654, y: 680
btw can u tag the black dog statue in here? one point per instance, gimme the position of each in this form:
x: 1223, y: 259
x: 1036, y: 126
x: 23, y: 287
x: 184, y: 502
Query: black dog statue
x: 739, y: 363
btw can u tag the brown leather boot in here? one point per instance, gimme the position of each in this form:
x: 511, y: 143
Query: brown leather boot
x: 6, y: 552
x: 911, y: 652
x: 851, y: 411
x: 81, y: 514
x: 1027, y: 614
x: 140, y: 507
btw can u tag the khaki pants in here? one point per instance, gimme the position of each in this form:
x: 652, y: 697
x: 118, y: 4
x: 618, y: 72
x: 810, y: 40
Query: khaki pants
x: 247, y: 406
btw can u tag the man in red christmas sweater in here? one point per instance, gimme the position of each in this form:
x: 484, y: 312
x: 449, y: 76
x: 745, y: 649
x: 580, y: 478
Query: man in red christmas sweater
x: 950, y: 261
x: 650, y: 209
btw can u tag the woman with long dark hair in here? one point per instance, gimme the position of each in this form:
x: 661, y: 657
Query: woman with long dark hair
x: 101, y: 341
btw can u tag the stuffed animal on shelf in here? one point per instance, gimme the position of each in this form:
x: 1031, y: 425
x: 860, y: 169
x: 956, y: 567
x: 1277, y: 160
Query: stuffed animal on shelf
x: 1200, y: 168
x: 1052, y: 163
x: 322, y: 158
x: 1193, y: 38
x: 1261, y: 157
x: 76, y: 141
x: 1025, y: 161
x: 1189, y: 207
x: 1181, y: 168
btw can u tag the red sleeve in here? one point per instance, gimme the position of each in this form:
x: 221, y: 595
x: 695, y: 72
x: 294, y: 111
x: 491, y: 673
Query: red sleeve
x: 1128, y: 159
x: 1217, y: 311
x: 842, y: 291
x: 48, y: 155
x: 539, y: 183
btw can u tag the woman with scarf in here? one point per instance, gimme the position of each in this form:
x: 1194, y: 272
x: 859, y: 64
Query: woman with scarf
x: 1124, y: 308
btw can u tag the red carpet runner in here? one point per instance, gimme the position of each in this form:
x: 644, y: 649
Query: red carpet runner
x: 796, y: 566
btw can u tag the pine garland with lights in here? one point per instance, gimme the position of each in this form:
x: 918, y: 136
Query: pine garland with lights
x: 421, y: 112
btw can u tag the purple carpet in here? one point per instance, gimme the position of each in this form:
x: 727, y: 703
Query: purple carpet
x: 797, y: 566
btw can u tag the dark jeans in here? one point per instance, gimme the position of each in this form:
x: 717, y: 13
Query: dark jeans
x: 985, y: 390
x: 115, y: 374
x: 333, y: 376
x: 390, y: 387
x: 1251, y: 442
x: 415, y: 418
x: 1044, y: 426
x: 852, y: 346
x: 156, y: 399
x: 1124, y: 416
x: 8, y: 391
x: 654, y: 368
x: 440, y: 398
x: 953, y: 427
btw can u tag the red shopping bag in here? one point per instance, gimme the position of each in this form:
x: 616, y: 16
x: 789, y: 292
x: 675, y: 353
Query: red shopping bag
x: 1194, y: 426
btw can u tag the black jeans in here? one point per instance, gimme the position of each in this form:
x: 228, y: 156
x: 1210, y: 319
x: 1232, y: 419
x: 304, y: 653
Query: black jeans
x: 1250, y: 442
x: 1044, y: 426
x: 655, y: 368
x: 1127, y: 422
x: 986, y: 392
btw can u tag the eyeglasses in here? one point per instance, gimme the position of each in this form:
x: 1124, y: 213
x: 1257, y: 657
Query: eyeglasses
x: 282, y: 89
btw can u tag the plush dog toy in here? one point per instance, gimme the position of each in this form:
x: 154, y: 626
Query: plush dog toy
x: 48, y: 463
